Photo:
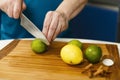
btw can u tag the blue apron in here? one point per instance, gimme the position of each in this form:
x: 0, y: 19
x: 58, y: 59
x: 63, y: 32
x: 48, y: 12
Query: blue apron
x: 36, y: 11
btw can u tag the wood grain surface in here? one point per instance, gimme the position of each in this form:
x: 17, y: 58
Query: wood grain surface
x: 19, y: 62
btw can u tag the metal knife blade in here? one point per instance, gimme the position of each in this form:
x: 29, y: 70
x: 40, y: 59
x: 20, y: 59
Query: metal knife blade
x: 32, y: 29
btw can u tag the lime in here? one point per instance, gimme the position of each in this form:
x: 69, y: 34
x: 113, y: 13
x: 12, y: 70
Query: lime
x: 76, y: 42
x: 93, y: 53
x: 71, y: 54
x: 38, y: 46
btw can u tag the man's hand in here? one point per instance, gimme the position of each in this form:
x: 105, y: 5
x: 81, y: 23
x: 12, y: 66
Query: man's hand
x: 12, y: 8
x: 55, y: 23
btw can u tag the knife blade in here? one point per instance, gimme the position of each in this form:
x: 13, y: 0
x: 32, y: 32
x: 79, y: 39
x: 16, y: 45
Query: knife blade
x: 32, y: 29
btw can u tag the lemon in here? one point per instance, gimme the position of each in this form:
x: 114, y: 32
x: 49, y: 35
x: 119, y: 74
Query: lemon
x: 93, y: 53
x: 71, y: 54
x: 76, y: 42
x: 38, y: 46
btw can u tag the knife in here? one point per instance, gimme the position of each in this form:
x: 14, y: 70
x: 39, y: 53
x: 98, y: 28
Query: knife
x: 32, y: 29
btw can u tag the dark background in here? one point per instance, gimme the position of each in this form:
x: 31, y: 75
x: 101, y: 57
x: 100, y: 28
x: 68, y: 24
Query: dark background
x: 96, y: 22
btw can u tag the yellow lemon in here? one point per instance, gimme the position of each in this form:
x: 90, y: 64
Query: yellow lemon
x: 71, y: 54
x: 38, y: 46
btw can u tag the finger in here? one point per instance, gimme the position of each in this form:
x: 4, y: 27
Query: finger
x: 23, y: 6
x: 58, y: 30
x: 4, y: 7
x: 10, y: 10
x: 17, y: 9
x: 53, y: 27
x: 47, y: 22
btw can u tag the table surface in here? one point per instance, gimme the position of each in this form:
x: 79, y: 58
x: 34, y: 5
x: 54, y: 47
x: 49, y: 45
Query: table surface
x: 4, y: 43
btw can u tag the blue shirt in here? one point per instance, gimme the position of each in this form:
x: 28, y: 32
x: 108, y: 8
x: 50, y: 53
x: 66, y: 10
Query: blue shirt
x: 35, y: 11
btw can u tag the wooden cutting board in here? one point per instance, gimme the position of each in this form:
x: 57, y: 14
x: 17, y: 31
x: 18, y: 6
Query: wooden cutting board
x: 19, y: 62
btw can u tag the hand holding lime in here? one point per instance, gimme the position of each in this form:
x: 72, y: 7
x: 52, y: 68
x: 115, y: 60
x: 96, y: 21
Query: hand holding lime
x: 38, y: 46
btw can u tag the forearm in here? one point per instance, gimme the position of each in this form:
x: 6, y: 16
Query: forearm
x: 70, y: 8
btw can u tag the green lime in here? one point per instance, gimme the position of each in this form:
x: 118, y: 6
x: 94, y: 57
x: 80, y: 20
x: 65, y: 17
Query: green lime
x: 93, y: 53
x: 76, y: 42
x: 38, y: 46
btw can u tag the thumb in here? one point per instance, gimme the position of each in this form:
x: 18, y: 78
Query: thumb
x: 23, y: 6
